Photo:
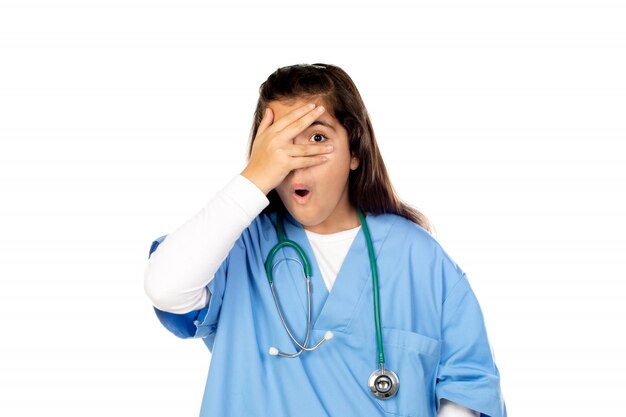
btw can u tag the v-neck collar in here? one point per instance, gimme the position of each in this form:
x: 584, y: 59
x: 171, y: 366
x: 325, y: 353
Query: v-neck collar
x: 334, y: 310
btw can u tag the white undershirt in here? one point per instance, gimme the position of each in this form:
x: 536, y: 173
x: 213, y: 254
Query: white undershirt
x: 176, y: 275
x: 330, y: 250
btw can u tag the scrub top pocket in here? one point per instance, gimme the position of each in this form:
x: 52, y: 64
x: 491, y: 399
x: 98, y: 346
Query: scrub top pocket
x: 414, y: 358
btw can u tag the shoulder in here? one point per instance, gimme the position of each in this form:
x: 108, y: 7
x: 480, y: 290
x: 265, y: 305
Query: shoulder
x: 401, y: 228
x: 261, y: 229
x: 405, y: 236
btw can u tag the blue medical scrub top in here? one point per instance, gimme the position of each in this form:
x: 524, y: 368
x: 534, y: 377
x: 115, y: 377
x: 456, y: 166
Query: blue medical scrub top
x: 433, y: 330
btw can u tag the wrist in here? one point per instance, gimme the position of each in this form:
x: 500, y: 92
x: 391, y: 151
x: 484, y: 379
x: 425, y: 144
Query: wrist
x: 260, y: 184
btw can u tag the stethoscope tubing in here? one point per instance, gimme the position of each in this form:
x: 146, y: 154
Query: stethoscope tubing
x: 283, y: 243
x: 303, y: 347
x: 370, y: 250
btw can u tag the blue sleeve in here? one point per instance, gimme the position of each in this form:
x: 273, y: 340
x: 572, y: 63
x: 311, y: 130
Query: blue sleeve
x: 467, y: 373
x: 198, y: 323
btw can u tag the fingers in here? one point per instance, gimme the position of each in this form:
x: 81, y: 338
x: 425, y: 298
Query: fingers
x: 304, y: 156
x: 309, y: 149
x: 308, y: 161
x: 297, y: 120
x: 268, y: 116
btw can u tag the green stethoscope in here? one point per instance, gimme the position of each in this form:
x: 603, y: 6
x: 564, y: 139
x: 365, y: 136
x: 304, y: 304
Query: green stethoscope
x: 383, y: 383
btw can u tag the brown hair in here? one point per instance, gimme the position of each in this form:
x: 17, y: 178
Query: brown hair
x: 369, y: 186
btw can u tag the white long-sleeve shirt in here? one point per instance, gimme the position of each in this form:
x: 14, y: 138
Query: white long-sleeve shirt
x: 177, y: 274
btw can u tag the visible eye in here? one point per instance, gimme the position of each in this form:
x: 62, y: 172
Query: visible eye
x: 318, y: 137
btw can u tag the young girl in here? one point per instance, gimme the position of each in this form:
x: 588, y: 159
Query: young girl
x: 316, y: 289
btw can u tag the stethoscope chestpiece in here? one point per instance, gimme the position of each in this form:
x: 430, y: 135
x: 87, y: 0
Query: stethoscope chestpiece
x: 383, y: 383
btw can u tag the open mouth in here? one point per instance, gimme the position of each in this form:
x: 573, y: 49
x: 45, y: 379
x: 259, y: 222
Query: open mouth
x: 302, y: 193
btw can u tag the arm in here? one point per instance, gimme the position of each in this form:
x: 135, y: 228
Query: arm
x: 467, y: 372
x: 177, y: 274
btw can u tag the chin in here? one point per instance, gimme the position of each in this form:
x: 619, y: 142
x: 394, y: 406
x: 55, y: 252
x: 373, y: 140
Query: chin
x: 305, y: 217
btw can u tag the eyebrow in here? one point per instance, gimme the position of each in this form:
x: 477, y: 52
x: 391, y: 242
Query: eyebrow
x: 323, y: 123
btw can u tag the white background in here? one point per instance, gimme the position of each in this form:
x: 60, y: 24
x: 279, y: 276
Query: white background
x: 503, y: 121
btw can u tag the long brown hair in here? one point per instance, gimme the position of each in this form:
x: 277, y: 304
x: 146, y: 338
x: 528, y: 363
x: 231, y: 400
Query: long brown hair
x: 369, y: 186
